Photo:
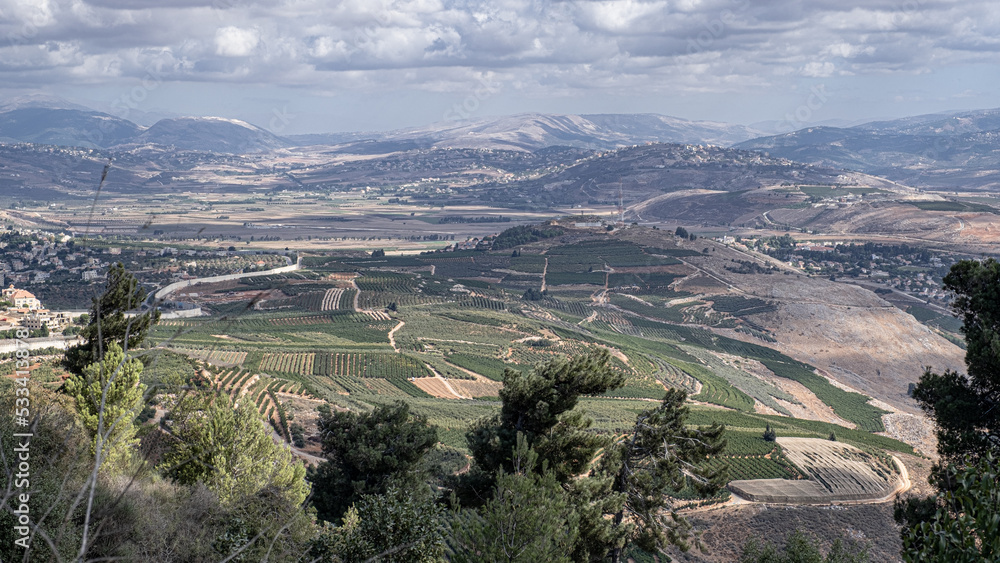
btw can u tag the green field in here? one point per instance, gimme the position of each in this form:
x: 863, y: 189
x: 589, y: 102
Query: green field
x: 832, y: 191
x: 469, y: 329
x: 957, y: 206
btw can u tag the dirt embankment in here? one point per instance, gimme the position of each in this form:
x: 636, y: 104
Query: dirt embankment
x: 878, y: 351
x: 725, y: 530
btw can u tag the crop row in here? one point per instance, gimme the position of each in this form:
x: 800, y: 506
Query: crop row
x: 755, y: 468
x: 740, y: 306
x: 487, y: 367
x: 387, y: 281
x: 786, y: 426
x: 368, y: 364
x: 382, y: 299
x: 849, y: 406
x: 217, y: 357
x: 300, y: 363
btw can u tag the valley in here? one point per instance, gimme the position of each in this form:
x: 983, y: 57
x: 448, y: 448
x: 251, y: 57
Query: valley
x: 799, y: 298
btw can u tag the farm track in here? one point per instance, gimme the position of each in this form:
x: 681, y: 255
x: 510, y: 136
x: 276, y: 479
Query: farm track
x: 162, y: 293
x: 357, y: 294
x: 295, y: 451
x: 392, y: 336
x: 445, y: 382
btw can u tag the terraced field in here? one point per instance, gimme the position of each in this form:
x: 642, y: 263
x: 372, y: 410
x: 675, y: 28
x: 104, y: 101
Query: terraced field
x: 837, y: 472
x: 463, y: 317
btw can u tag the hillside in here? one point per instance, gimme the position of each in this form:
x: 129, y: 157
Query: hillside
x: 942, y: 151
x: 532, y: 131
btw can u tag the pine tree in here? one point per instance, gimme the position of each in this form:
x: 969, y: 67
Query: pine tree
x: 966, y: 408
x: 660, y: 454
x: 529, y: 517
x: 108, y: 397
x: 230, y: 450
x: 109, y: 323
x: 366, y: 454
x: 540, y: 405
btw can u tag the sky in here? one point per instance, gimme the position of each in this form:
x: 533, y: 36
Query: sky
x: 304, y: 66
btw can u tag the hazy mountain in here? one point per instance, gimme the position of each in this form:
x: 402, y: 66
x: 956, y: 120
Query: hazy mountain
x: 942, y: 124
x: 39, y: 101
x: 675, y: 182
x: 52, y: 121
x: 960, y: 149
x: 533, y: 131
x: 215, y: 134
x: 65, y: 127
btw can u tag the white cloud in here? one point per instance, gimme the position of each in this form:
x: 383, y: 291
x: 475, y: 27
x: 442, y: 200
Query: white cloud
x: 818, y: 69
x: 235, y: 42
x: 573, y: 46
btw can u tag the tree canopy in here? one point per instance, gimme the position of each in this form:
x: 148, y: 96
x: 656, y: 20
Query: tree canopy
x: 660, y: 455
x: 108, y: 397
x: 528, y: 518
x: 366, y: 453
x: 964, y: 527
x: 615, y: 499
x: 108, y: 320
x: 539, y: 405
x: 960, y: 523
x: 398, y: 526
x: 230, y: 450
x: 966, y: 408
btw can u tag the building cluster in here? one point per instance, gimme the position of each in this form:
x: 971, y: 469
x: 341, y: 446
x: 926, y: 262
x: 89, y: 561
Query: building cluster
x: 20, y: 308
x: 28, y: 257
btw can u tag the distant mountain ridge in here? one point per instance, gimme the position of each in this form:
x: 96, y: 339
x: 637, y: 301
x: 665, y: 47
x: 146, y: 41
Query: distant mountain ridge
x: 532, y: 131
x: 945, y: 150
x: 53, y: 121
x: 215, y: 134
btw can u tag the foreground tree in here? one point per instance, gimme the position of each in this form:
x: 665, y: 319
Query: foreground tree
x: 366, y: 453
x: 108, y: 398
x: 140, y: 518
x: 539, y: 405
x: 398, y: 526
x: 618, y: 499
x: 109, y: 323
x: 966, y: 408
x: 230, y: 450
x: 529, y: 518
x: 960, y: 523
x: 660, y: 455
x: 964, y: 526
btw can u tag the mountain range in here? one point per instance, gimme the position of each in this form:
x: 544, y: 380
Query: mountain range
x: 67, y: 125
x: 942, y: 151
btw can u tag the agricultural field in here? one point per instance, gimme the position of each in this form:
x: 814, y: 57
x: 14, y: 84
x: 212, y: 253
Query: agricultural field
x: 439, y: 330
x: 835, y: 472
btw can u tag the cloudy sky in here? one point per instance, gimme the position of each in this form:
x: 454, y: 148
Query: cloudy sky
x: 297, y: 66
